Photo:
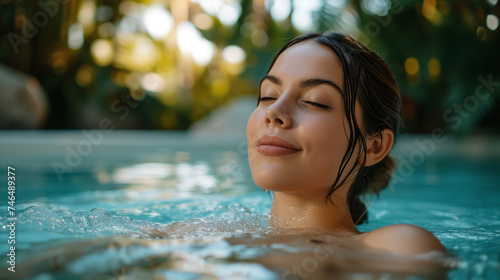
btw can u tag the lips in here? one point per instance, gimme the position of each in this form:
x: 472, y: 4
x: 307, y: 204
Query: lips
x: 275, y: 146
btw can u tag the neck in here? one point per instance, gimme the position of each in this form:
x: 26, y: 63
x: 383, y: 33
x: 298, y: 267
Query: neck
x: 297, y: 211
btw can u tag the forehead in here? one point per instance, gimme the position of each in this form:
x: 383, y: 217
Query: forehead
x: 309, y: 60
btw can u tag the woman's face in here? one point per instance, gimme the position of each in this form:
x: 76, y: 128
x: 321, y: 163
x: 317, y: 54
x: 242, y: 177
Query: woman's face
x: 297, y: 135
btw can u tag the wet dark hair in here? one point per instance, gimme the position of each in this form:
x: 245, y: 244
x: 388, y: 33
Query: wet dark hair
x: 368, y: 79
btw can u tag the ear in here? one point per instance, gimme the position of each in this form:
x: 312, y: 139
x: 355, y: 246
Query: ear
x: 379, y: 146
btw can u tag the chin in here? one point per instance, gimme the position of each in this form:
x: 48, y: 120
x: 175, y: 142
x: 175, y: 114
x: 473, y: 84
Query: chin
x: 275, y: 183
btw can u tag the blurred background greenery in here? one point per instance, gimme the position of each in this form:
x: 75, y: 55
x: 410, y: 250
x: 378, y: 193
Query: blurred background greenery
x: 165, y: 64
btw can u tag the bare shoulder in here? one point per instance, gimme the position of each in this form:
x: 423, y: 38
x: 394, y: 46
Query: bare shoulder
x: 404, y: 239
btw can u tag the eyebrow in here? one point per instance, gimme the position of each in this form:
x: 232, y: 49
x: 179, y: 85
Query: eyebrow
x: 304, y: 83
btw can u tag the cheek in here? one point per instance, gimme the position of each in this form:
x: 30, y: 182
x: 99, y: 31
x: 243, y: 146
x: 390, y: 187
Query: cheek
x: 329, y: 143
x: 327, y: 134
x: 252, y: 125
x: 252, y: 133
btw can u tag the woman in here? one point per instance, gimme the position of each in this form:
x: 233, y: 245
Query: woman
x: 327, y: 116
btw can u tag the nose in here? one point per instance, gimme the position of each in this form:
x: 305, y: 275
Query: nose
x: 278, y: 115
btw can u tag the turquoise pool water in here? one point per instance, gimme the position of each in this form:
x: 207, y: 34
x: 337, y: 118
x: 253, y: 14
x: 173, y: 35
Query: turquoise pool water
x: 96, y: 207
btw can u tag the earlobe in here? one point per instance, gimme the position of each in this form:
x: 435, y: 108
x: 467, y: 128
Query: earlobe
x: 379, y: 146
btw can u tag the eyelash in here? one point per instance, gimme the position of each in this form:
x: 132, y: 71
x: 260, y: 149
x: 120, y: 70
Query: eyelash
x: 321, y: 106
x: 318, y: 105
x: 266, y: 99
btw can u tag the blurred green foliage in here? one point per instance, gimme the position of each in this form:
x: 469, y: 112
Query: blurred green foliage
x: 99, y: 58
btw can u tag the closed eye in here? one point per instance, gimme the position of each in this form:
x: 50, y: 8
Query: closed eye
x: 266, y: 98
x: 318, y: 105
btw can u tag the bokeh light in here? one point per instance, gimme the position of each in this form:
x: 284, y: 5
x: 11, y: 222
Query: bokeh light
x: 190, y: 42
x: 376, y: 7
x: 302, y: 14
x: 434, y: 67
x: 233, y: 54
x: 106, y: 30
x: 153, y: 82
x: 102, y: 52
x: 227, y: 12
x: 182, y: 59
x: 203, y: 21
x: 84, y: 75
x: 411, y: 66
x: 492, y: 22
x: 86, y: 13
x: 279, y: 9
x: 157, y: 21
x: 481, y: 33
x: 75, y: 36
